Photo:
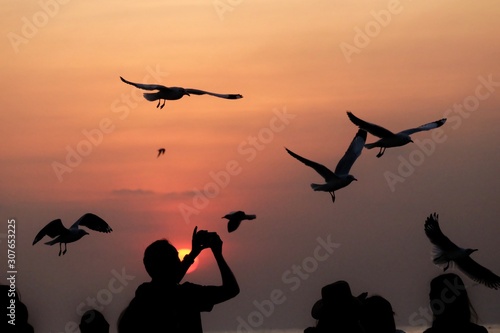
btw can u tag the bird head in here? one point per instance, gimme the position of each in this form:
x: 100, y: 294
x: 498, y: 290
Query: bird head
x: 470, y: 251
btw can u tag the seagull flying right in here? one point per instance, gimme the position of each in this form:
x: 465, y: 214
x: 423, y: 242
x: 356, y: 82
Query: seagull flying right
x: 235, y: 219
x: 173, y: 93
x: 341, y: 177
x: 446, y: 252
x: 387, y: 138
x: 61, y: 234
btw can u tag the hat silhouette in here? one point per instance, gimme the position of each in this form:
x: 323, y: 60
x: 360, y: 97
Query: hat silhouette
x: 335, y: 296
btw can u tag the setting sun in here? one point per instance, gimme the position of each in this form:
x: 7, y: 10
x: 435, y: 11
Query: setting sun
x: 182, y: 253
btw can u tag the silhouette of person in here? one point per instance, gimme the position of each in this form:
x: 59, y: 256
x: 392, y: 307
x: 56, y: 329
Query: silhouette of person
x: 451, y: 307
x: 164, y: 305
x: 377, y: 316
x: 337, y: 310
x: 93, y: 322
x: 18, y: 322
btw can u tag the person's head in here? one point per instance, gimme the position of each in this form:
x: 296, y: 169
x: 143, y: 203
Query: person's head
x: 161, y: 261
x: 449, y: 300
x: 377, y: 315
x: 93, y: 322
x: 337, y: 305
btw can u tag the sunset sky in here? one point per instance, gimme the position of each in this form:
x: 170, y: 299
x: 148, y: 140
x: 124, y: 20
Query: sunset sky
x: 75, y: 139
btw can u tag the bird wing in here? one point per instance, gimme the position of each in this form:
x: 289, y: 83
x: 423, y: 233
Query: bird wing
x: 93, y: 222
x: 52, y: 229
x: 352, y: 153
x: 436, y: 236
x: 233, y: 224
x: 425, y: 127
x: 202, y: 92
x: 478, y: 273
x: 321, y: 169
x: 145, y: 86
x: 369, y: 127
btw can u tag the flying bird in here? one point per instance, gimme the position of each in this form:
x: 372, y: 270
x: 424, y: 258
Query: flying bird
x: 387, y: 138
x: 160, y: 152
x: 62, y: 235
x: 173, y: 93
x: 341, y: 177
x: 235, y: 219
x: 446, y: 252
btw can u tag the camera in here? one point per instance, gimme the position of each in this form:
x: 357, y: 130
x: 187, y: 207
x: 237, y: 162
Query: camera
x: 205, y: 238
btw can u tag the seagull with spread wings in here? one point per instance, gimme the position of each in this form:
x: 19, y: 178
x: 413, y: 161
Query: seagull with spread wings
x: 387, y: 138
x: 446, y: 252
x: 235, y: 219
x: 341, y: 177
x: 63, y: 235
x: 173, y: 93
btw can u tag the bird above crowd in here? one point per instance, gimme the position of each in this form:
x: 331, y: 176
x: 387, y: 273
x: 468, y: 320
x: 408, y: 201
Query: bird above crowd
x: 389, y: 139
x: 63, y: 235
x: 174, y: 93
x: 235, y: 218
x: 341, y: 177
x: 446, y: 253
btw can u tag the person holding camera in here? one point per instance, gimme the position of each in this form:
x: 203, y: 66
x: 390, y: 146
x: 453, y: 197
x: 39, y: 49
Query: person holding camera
x: 165, y: 304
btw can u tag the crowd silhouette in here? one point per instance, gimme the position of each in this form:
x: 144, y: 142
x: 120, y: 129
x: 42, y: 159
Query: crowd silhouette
x: 164, y: 304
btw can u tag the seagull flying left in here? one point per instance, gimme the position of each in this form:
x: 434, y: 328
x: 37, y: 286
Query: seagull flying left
x: 446, y: 252
x: 63, y: 235
x: 235, y: 219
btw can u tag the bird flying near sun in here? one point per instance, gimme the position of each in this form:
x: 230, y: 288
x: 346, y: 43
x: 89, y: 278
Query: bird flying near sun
x: 341, y: 177
x: 174, y: 93
x: 446, y: 252
x: 235, y: 219
x: 63, y: 235
x: 387, y: 138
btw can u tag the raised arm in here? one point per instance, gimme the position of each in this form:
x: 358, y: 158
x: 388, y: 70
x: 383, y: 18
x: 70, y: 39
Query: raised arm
x: 230, y: 287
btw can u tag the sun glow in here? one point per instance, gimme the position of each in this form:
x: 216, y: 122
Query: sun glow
x: 182, y: 253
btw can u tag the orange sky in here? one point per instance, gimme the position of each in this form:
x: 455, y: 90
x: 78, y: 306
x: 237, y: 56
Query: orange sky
x: 61, y: 90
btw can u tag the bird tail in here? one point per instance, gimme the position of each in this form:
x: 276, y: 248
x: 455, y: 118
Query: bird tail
x: 151, y: 96
x: 370, y: 145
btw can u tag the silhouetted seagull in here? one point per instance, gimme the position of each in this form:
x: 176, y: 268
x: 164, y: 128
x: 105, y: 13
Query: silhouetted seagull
x: 161, y: 151
x: 341, y: 177
x: 387, y: 138
x: 173, y: 93
x: 446, y: 252
x: 235, y: 219
x: 61, y: 234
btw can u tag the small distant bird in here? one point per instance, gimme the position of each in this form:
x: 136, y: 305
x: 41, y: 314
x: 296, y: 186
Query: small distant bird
x: 62, y: 235
x: 160, y: 152
x: 341, y: 177
x: 235, y: 219
x: 387, y: 138
x: 173, y: 93
x: 446, y: 252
